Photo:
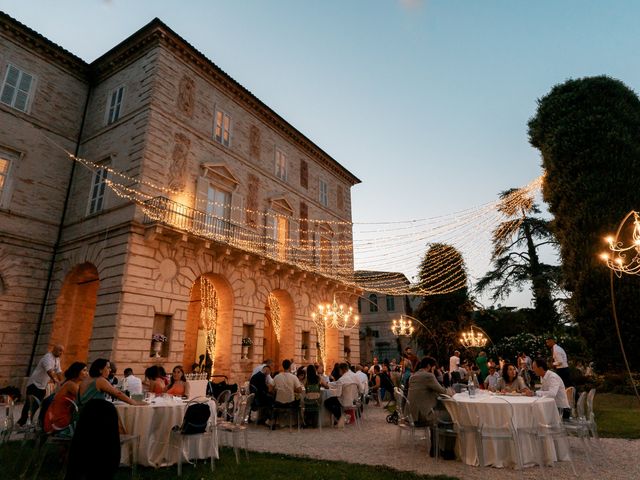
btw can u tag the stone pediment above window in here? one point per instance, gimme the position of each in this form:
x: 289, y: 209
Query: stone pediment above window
x: 281, y: 205
x: 220, y: 174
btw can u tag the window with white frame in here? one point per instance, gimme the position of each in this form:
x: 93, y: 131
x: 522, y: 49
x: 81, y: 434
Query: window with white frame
x: 16, y: 88
x: 281, y: 165
x: 115, y: 105
x: 323, y: 193
x: 98, y: 188
x: 222, y: 129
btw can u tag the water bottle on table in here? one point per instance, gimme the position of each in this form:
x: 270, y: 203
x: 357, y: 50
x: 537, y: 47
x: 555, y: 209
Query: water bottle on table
x: 471, y: 386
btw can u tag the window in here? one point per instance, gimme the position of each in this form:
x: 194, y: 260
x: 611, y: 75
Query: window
x: 115, y: 105
x: 391, y: 303
x: 281, y: 165
x: 373, y: 302
x: 359, y: 305
x: 98, y: 186
x: 221, y: 132
x: 323, y: 196
x: 16, y: 88
x: 218, y: 210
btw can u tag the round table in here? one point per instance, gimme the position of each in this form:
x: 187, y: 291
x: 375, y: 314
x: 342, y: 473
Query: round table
x: 494, y: 411
x: 153, y: 423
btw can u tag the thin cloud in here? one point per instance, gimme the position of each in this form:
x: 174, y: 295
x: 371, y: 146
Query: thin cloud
x: 412, y: 4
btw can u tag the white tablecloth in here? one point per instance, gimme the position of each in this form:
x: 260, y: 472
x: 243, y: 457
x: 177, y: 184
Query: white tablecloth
x: 154, y: 423
x: 494, y: 411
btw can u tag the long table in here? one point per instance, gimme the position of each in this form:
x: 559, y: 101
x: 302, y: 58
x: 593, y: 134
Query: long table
x: 494, y: 411
x: 153, y: 423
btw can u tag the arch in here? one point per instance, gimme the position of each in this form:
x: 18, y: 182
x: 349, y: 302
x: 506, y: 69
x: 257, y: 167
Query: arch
x: 194, y: 336
x: 75, y: 310
x: 283, y: 348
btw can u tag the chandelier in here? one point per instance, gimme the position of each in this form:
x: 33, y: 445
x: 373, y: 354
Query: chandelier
x: 474, y: 337
x: 335, y: 316
x: 624, y: 259
x: 402, y: 327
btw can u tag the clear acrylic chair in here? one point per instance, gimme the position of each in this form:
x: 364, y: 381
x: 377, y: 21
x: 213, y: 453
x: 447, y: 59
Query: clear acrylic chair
x: 7, y: 425
x: 548, y: 430
x: 590, y: 416
x: 405, y: 421
x: 505, y: 431
x: 199, y: 421
x: 443, y: 428
x: 350, y: 401
x: 223, y: 404
x: 239, y: 424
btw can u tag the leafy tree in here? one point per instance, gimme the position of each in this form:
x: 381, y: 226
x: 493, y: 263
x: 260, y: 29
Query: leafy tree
x: 587, y: 132
x: 515, y: 258
x: 444, y: 314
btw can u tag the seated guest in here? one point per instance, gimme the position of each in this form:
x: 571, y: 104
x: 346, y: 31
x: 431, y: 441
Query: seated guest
x: 154, y: 380
x: 335, y: 373
x: 334, y: 404
x: 301, y: 374
x: 386, y: 384
x: 552, y: 386
x: 312, y: 398
x: 97, y: 386
x: 324, y: 379
x: 286, y: 385
x: 510, y: 381
x: 60, y: 413
x: 363, y: 379
x: 263, y: 390
x: 491, y: 381
x: 113, y: 380
x: 163, y: 375
x: 178, y: 386
x: 131, y: 383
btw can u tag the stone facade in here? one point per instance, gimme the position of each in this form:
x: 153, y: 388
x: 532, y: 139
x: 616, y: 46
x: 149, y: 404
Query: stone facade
x: 119, y: 274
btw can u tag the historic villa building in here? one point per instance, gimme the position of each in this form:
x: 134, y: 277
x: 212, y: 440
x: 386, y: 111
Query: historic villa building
x: 200, y: 214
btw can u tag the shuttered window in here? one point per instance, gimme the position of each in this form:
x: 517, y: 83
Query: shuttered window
x: 16, y: 88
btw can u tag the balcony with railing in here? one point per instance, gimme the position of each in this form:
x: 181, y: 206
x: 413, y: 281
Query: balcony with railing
x: 166, y: 212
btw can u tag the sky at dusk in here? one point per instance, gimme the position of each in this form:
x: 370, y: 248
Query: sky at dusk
x: 426, y: 102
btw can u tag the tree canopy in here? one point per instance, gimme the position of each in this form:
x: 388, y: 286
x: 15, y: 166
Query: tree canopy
x: 587, y: 131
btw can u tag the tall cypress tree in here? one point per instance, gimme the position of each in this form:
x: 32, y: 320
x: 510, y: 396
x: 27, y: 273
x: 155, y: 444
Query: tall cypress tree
x: 588, y: 132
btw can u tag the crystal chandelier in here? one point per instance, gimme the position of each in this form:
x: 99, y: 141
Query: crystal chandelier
x: 402, y: 327
x: 335, y: 316
x: 474, y: 337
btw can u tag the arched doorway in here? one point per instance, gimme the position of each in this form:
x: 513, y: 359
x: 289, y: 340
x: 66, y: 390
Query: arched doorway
x: 209, y: 329
x: 75, y: 309
x: 279, y: 327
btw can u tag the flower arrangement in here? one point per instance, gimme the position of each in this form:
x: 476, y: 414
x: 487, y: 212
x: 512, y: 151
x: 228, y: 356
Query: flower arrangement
x: 158, y: 337
x: 247, y: 342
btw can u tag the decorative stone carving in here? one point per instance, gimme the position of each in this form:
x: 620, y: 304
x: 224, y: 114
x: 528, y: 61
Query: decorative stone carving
x: 177, y: 170
x: 168, y: 269
x: 254, y: 142
x: 186, y: 95
x: 252, y: 200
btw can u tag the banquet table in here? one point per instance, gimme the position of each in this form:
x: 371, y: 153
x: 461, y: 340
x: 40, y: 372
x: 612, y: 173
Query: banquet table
x: 495, y: 411
x: 153, y: 423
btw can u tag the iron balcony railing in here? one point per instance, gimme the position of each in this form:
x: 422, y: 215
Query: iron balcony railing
x: 164, y: 211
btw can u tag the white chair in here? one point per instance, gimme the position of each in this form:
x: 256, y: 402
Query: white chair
x: 198, y: 422
x: 350, y: 401
x: 239, y: 424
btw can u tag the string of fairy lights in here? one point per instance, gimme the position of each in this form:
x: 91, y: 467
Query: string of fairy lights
x: 329, y: 246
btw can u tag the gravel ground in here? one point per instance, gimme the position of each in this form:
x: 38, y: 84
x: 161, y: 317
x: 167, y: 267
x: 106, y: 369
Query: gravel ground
x: 376, y: 443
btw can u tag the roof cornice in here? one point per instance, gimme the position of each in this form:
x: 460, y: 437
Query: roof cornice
x: 156, y: 32
x: 30, y: 39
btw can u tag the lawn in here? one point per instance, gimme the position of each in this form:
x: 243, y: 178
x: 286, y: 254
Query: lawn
x: 617, y: 416
x: 260, y: 466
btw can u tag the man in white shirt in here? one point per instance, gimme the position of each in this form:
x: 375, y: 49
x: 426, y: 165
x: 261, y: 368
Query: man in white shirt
x: 334, y: 404
x: 47, y: 370
x: 454, y: 362
x: 267, y: 363
x: 552, y: 386
x: 560, y: 362
x: 363, y: 379
x: 131, y: 383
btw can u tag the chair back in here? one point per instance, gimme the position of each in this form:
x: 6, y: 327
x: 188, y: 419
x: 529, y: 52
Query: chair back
x: 452, y: 407
x: 590, y: 396
x: 402, y: 407
x: 242, y: 408
x: 196, y: 417
x: 349, y: 394
x: 571, y: 397
x: 581, y: 405
x: 73, y: 409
